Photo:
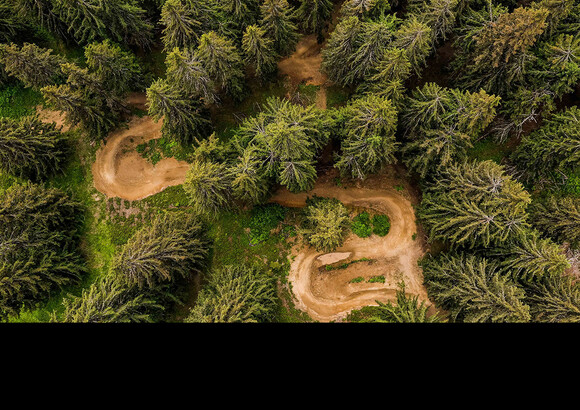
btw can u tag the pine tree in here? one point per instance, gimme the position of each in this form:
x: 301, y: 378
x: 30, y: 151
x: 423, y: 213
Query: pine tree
x: 209, y: 187
x: 369, y: 136
x: 277, y: 22
x: 183, y: 119
x: 222, y: 61
x: 414, y: 37
x: 259, y: 52
x: 391, y: 73
x: 236, y: 294
x: 559, y: 218
x: 551, y: 148
x: 531, y: 258
x: 108, y: 300
x: 184, y: 22
x: 473, y: 289
x: 475, y: 204
x: 9, y: 24
x: 36, y: 67
x: 337, y: 56
x: 365, y: 9
x: 38, y: 237
x: 242, y: 12
x: 29, y: 147
x: 185, y: 72
x: 249, y: 183
x: 326, y: 223
x: 174, y: 245
x: 314, y: 15
x: 554, y: 299
x: 41, y: 13
x: 440, y: 17
x: 117, y: 70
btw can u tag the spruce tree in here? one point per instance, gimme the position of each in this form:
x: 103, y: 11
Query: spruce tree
x: 222, y: 61
x: 414, y: 37
x: 184, y: 22
x: 173, y: 246
x: 209, y: 187
x: 369, y: 140
x: 326, y: 223
x: 314, y: 15
x: 183, y: 116
x: 108, y: 300
x: 278, y: 24
x: 554, y: 299
x: 259, y: 52
x: 36, y: 67
x: 29, y: 147
x: 337, y: 56
x: 559, y: 218
x: 236, y: 294
x: 185, y: 72
x: 473, y: 289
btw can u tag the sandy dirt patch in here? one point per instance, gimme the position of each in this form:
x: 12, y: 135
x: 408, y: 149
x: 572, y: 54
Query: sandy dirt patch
x: 48, y: 116
x: 330, y: 295
x: 120, y: 171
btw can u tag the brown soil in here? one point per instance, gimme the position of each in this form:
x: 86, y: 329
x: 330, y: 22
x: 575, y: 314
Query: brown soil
x: 120, y: 171
x: 58, y: 117
x: 329, y: 295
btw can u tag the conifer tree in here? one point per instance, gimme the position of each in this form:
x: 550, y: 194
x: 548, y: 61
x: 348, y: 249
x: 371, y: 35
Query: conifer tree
x: 184, y: 22
x: 277, y: 22
x: 29, y: 147
x: 364, y: 9
x: 185, y: 72
x: 391, y: 73
x: 338, y: 54
x: 554, y: 299
x: 473, y: 289
x: 108, y: 300
x: 183, y: 118
x: 475, y: 205
x: 326, y: 223
x: 369, y: 136
x: 440, y: 17
x: 209, y: 187
x: 174, y: 245
x: 236, y: 294
x: 313, y: 15
x: 258, y: 51
x: 41, y: 12
x: 222, y: 61
x: 9, y: 23
x: 559, y: 218
x: 249, y: 183
x: 117, y: 70
x: 36, y: 67
x: 38, y: 238
x: 414, y: 37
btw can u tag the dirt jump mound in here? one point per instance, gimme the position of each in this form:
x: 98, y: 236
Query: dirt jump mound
x: 329, y: 294
x: 120, y: 171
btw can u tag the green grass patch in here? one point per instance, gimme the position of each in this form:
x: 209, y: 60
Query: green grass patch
x: 337, y: 96
x: 358, y: 279
x: 361, y: 225
x: 263, y: 219
x: 377, y: 279
x: 345, y: 265
x: 381, y: 225
x: 17, y: 101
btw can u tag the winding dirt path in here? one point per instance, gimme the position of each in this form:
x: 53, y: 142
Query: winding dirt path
x: 120, y: 171
x: 330, y: 295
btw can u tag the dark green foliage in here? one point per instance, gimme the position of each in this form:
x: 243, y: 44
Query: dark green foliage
x: 30, y: 148
x: 236, y: 294
x: 259, y: 51
x: 221, y: 59
x: 209, y: 187
x: 475, y: 204
x: 473, y: 289
x: 406, y: 310
x: 361, y: 225
x: 183, y: 117
x: 263, y: 219
x: 277, y: 22
x: 554, y: 299
x: 441, y: 124
x: 117, y: 70
x: 559, y: 218
x: 173, y: 246
x: 326, y: 223
x: 551, y: 149
x: 109, y: 300
x: 313, y: 15
x: 38, y: 243
x: 184, y: 22
x: 36, y: 67
x: 284, y: 140
x: 186, y: 73
x: 368, y: 136
x: 381, y: 225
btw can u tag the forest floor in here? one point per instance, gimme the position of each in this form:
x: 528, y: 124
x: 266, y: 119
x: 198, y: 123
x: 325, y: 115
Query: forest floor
x: 329, y: 294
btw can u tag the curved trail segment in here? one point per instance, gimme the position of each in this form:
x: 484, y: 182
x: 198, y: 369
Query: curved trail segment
x: 328, y: 295
x: 120, y: 171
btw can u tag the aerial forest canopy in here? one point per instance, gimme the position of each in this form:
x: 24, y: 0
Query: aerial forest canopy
x: 205, y: 161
